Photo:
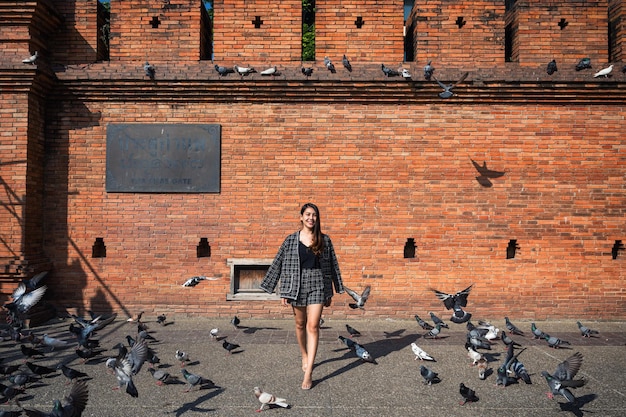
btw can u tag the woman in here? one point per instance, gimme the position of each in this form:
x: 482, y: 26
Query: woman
x: 307, y: 268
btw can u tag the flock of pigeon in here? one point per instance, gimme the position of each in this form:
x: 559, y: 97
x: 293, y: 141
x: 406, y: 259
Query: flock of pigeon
x: 137, y: 351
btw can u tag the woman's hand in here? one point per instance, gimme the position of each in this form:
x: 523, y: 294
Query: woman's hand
x: 284, y: 302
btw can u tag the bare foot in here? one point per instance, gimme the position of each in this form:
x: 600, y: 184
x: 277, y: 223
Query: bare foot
x: 304, y: 364
x: 307, y: 382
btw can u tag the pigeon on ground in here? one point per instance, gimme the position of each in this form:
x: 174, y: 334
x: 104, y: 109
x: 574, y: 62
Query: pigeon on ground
x: 53, y: 342
x: 429, y: 376
x: 584, y: 63
x: 270, y: 71
x: 265, y: 398
x: 506, y: 339
x: 222, y: 71
x: 229, y: 346
x: 520, y: 371
x: 159, y: 375
x: 474, y: 355
x: 86, y: 353
x: 586, y: 331
x: 477, y: 342
x: 351, y: 344
x: 604, y: 72
x: 468, y: 394
x: 149, y: 70
x: 428, y: 71
x: 359, y: 299
x: 551, y: 69
x: 193, y: 281
x: 243, y: 70
x: 194, y: 380
x: 447, y: 88
x: 512, y: 328
x: 181, y: 357
x: 329, y: 65
x: 420, y: 353
x: 434, y: 333
x: 122, y: 370
x: 235, y: 322
x: 30, y: 352
x: 161, y: 319
x: 307, y: 72
x: 492, y: 333
x: 31, y: 59
x: 21, y: 380
x: 481, y: 365
x: 537, y: 334
x: 424, y: 325
x: 555, y: 342
x: 346, y: 63
x: 353, y: 332
x: 9, y: 392
x: 503, y: 379
x: 70, y: 373
x: 388, y: 71
x: 72, y: 405
x: 362, y: 353
x: 214, y: 333
x: 437, y: 320
x: 557, y: 388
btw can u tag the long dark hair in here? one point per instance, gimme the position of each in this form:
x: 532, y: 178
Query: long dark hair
x: 318, y: 241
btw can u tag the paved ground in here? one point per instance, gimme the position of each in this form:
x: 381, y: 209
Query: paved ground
x: 344, y: 385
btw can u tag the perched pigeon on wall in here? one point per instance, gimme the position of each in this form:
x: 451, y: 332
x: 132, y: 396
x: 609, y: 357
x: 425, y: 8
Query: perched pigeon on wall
x: 346, y: 63
x: 149, y: 70
x: 428, y: 71
x: 604, y: 72
x: 31, y: 59
x: 329, y: 65
x: 388, y: 71
x: 223, y: 71
x: 551, y: 68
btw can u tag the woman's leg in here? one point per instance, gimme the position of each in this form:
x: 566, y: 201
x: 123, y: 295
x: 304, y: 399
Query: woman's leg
x: 300, y: 317
x: 313, y: 314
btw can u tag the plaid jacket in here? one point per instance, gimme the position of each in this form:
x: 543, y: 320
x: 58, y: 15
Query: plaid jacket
x: 286, y: 269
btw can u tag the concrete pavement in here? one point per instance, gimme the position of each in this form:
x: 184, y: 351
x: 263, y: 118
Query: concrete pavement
x: 343, y: 384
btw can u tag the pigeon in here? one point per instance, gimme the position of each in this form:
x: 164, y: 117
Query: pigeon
x: 268, y: 399
x: 555, y: 342
x: 538, y: 334
x: 447, y: 88
x: 307, y: 72
x: 161, y: 319
x: 586, y: 331
x: 30, y: 352
x: 149, y: 70
x: 506, y: 339
x: 101, y: 320
x: 122, y: 370
x: 70, y: 373
x: 33, y: 283
x: 235, y: 322
x: 214, y: 333
x: 359, y: 299
x: 193, y: 281
x: 353, y: 332
x: 434, y: 333
x: 194, y: 380
x: 229, y: 346
x: 388, y: 71
x: 329, y: 65
x: 136, y: 356
x: 584, y: 63
x: 551, y: 69
x: 86, y: 354
x: 53, y: 342
x: 520, y: 371
x: 31, y: 59
x: 9, y: 392
x: 243, y: 70
x: 420, y: 353
x: 72, y: 405
x: 474, y: 355
x: 481, y: 365
x: 362, y: 353
x: 567, y: 370
x: 460, y: 316
x: 270, y: 71
x: 351, y: 344
x: 405, y: 74
x: 604, y: 72
x: 512, y: 328
x: 428, y: 71
x: 468, y: 394
x: 40, y: 369
x: 20, y: 380
x: 557, y: 388
x: 492, y: 333
x: 437, y: 320
x: 136, y: 318
x: 181, y: 357
x: 223, y: 71
x: 9, y: 369
x: 159, y: 375
x: 346, y: 63
x: 428, y: 375
x: 477, y: 342
x: 424, y: 325
x: 24, y: 301
x: 503, y: 379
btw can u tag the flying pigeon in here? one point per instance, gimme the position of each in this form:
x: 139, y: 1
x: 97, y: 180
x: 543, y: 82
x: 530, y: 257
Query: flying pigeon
x: 359, y: 299
x: 437, y: 320
x: 72, y: 405
x: 270, y: 71
x: 388, y: 71
x: 447, y: 88
x: 346, y: 63
x: 348, y: 342
x: 512, y: 328
x: 159, y: 375
x: 434, y: 333
x: 307, y: 72
x: 353, y: 332
x: 193, y: 281
x: 268, y: 399
x: 604, y: 72
x: 428, y: 375
x: 586, y: 331
x: 31, y: 59
x: 424, y: 325
x: 149, y: 70
x: 243, y: 70
x: 33, y: 283
x: 24, y: 301
x: 194, y: 380
x: 222, y: 71
x: 551, y: 69
x: 584, y: 63
x: 123, y: 372
x: 468, y: 394
x: 428, y: 71
x: 537, y: 334
x: 229, y: 346
x: 182, y: 357
x: 329, y: 65
x: 420, y: 353
x: 563, y: 377
x: 555, y: 342
x: 451, y: 300
x: 406, y: 74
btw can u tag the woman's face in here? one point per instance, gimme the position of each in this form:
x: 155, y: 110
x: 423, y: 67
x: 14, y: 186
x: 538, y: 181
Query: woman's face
x: 309, y: 218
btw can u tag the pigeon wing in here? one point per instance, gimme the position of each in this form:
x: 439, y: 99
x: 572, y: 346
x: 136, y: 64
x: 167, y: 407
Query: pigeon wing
x: 30, y: 299
x: 463, y: 77
x: 366, y: 293
x: 76, y: 400
x: 352, y: 293
x: 569, y: 367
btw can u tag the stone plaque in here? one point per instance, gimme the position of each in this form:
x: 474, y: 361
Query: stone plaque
x: 163, y: 158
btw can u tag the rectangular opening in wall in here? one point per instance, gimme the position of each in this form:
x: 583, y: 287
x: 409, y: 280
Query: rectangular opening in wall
x: 510, y: 33
x: 104, y: 29
x: 308, y: 30
x: 615, y: 53
x: 246, y: 276
x: 409, y: 55
x: 206, y: 29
